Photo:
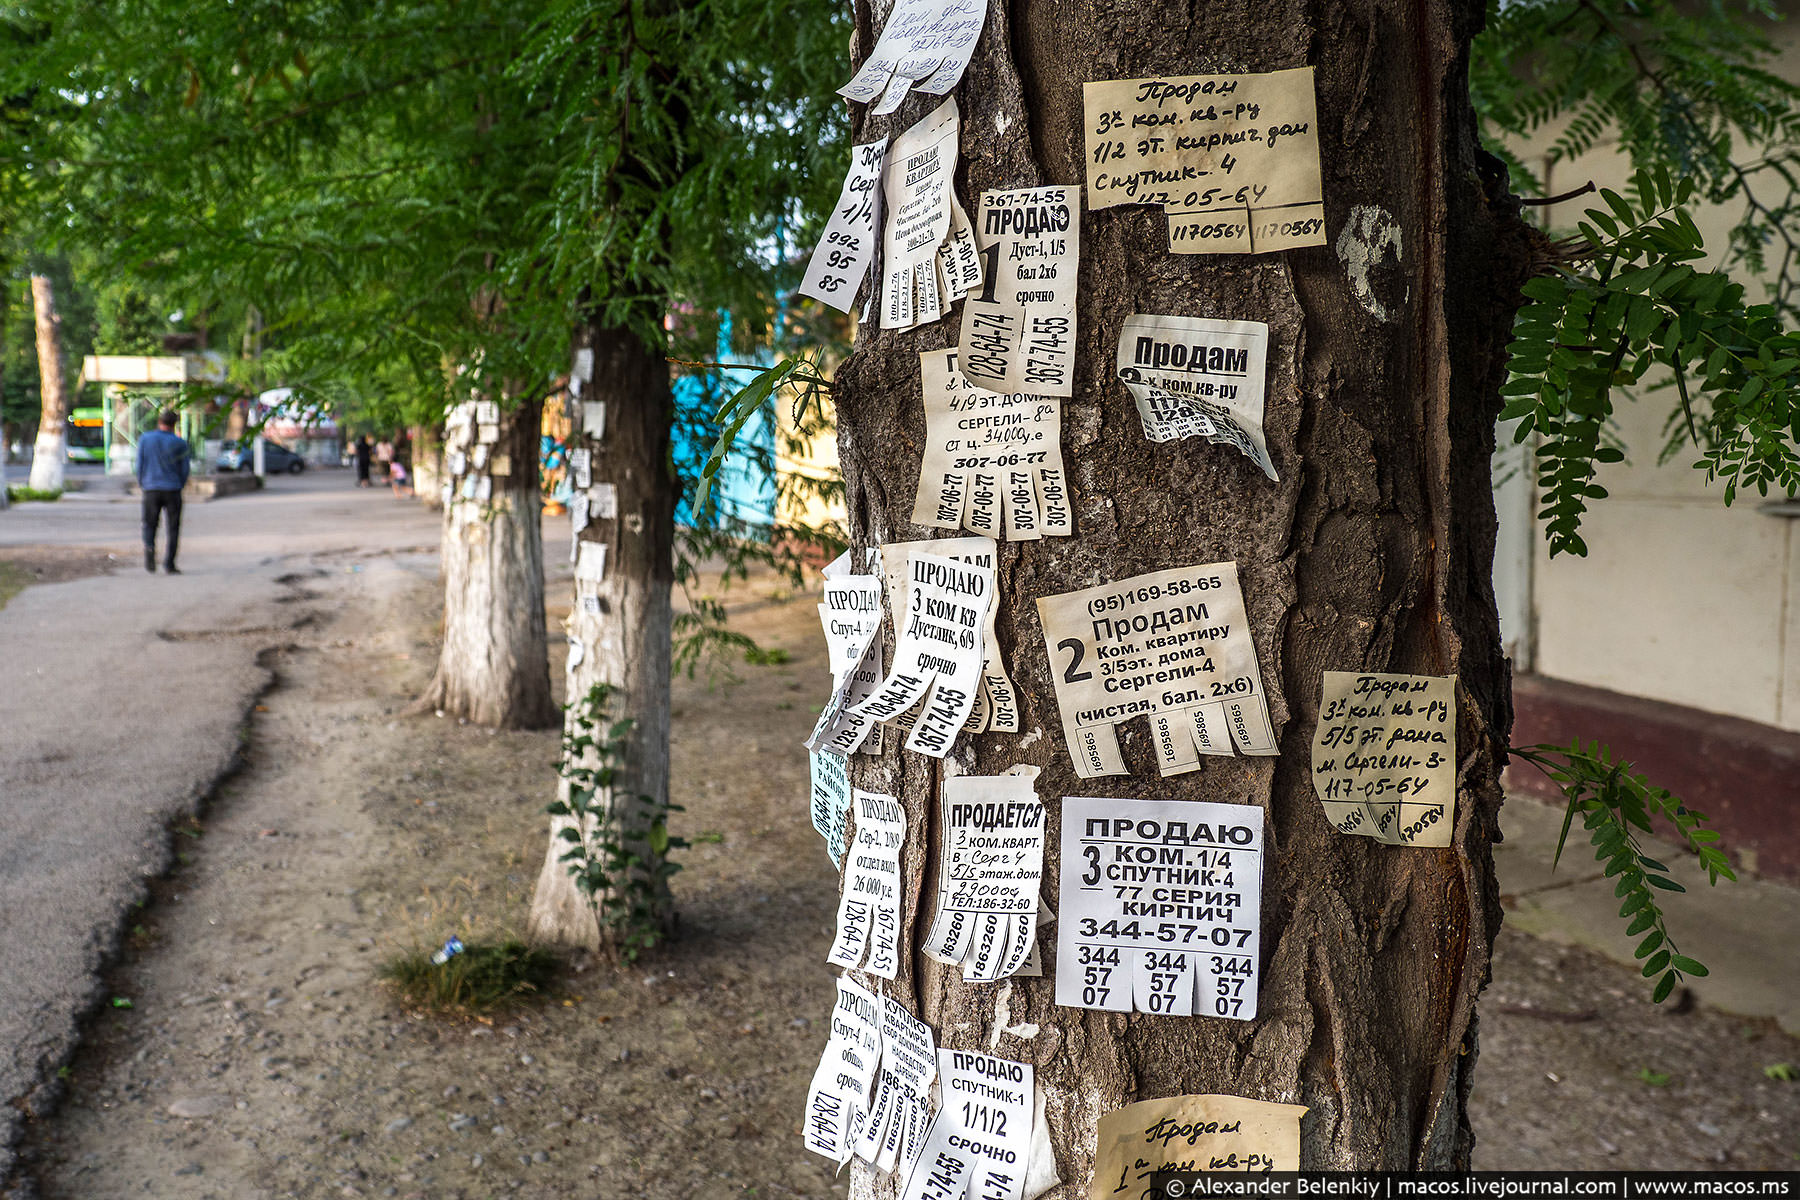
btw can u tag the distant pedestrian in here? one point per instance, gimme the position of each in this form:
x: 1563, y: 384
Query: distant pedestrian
x: 384, y: 457
x: 362, y: 450
x: 162, y: 471
x: 397, y: 478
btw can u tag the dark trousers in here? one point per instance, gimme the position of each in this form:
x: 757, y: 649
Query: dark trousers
x: 158, y: 502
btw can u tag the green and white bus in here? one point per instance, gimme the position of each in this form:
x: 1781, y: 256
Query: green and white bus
x: 87, y: 435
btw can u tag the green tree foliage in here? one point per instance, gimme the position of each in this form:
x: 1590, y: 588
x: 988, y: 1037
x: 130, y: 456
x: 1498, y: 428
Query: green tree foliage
x: 1615, y: 804
x: 1683, y: 87
x: 1622, y: 305
x: 1625, y: 303
x: 440, y: 187
x: 1631, y: 300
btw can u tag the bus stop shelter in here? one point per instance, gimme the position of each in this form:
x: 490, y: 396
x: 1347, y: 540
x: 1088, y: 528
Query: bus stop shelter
x: 133, y: 390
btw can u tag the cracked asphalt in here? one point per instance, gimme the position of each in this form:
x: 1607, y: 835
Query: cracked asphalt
x: 122, y: 697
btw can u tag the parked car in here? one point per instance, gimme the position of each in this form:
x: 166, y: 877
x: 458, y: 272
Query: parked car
x: 276, y: 458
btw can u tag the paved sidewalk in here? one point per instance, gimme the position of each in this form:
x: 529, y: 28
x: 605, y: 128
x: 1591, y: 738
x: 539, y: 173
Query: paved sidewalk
x: 121, y: 698
x: 1747, y: 933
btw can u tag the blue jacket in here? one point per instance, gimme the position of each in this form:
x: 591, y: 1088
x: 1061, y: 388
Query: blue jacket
x: 162, y: 462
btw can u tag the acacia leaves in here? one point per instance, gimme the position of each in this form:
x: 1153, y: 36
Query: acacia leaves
x: 1615, y: 804
x: 1631, y: 304
x: 1683, y: 87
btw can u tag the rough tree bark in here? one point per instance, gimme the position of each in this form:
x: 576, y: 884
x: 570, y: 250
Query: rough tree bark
x: 53, y: 436
x: 428, y: 467
x: 1374, y: 552
x: 494, y: 668
x: 626, y: 642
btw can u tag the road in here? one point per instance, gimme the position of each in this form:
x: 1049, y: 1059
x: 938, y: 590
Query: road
x: 121, y: 701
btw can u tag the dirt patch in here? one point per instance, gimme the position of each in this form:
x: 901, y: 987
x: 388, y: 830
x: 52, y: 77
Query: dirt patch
x: 1577, y: 1071
x: 22, y: 566
x: 260, y: 1058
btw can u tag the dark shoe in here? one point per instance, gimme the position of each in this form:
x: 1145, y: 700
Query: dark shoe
x: 150, y: 561
x: 169, y: 569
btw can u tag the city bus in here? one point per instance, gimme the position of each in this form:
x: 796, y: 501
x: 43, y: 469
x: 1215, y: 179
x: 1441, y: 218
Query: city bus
x: 87, y: 435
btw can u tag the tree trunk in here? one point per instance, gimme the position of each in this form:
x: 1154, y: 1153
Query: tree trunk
x: 494, y: 668
x: 428, y: 467
x: 624, y: 632
x: 5, y: 426
x: 1373, y: 552
x: 53, y: 425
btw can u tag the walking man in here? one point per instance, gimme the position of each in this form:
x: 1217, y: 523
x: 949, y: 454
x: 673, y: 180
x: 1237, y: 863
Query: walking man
x: 162, y: 469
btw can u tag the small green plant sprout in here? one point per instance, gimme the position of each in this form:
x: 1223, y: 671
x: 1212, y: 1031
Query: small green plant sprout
x: 1615, y: 804
x: 618, y: 851
x: 1653, y: 1078
x: 121, y: 1002
x: 1781, y: 1072
x: 484, y: 977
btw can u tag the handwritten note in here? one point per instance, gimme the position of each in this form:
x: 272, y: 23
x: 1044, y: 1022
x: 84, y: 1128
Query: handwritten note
x: 1232, y: 159
x: 1161, y: 907
x: 993, y: 463
x: 841, y: 259
x: 1156, y: 1149
x: 868, y: 924
x: 925, y: 43
x: 1197, y: 377
x: 1174, y: 646
x: 1018, y: 334
x: 989, y: 872
x: 1384, y: 756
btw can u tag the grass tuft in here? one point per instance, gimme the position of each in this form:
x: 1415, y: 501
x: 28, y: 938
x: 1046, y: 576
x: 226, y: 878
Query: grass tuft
x: 20, y: 492
x: 484, y: 978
